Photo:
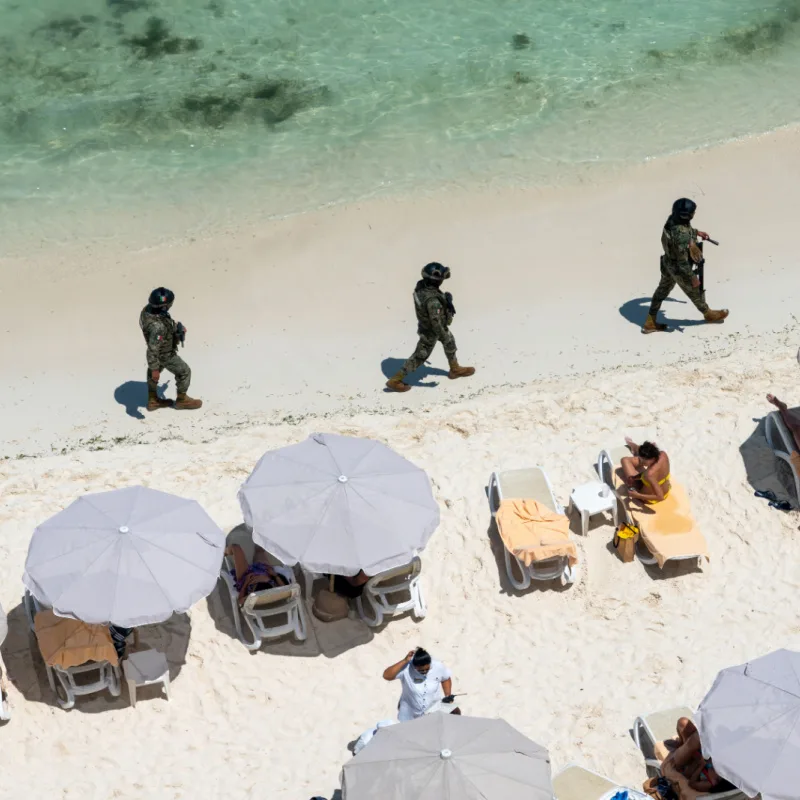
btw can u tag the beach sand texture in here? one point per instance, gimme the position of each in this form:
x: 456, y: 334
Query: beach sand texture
x: 571, y: 668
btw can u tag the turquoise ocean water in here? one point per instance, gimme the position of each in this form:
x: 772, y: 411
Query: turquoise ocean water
x: 226, y: 109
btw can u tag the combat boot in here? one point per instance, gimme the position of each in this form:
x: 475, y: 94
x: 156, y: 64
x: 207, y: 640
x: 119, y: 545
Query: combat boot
x: 459, y: 372
x: 716, y: 316
x: 186, y: 403
x: 396, y: 384
x: 154, y: 402
x: 651, y: 326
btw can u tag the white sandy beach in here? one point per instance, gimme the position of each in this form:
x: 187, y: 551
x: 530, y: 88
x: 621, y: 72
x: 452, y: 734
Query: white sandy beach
x: 290, y: 326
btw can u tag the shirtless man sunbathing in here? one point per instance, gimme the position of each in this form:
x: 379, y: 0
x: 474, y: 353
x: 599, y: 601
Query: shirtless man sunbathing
x: 791, y: 419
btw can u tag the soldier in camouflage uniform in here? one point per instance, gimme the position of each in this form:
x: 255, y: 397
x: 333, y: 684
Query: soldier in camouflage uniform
x: 435, y: 312
x: 679, y: 240
x: 161, y: 334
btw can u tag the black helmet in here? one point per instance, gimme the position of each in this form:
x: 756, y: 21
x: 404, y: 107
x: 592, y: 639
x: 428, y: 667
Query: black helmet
x: 161, y: 298
x: 683, y: 209
x: 435, y: 271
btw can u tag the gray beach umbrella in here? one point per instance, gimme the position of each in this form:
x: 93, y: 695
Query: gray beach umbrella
x: 339, y: 504
x: 449, y: 757
x: 129, y: 557
x: 749, y: 725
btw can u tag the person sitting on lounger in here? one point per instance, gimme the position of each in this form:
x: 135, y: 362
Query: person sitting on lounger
x: 685, y: 765
x: 253, y: 577
x: 791, y: 419
x: 646, y: 472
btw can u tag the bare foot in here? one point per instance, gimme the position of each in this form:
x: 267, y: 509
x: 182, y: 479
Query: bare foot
x: 629, y: 442
x: 777, y: 403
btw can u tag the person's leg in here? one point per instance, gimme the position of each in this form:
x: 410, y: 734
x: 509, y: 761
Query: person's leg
x: 685, y: 728
x: 420, y: 355
x: 687, y: 752
x: 183, y: 377
x: 791, y: 419
x: 693, y: 293
x: 665, y: 286
x: 456, y: 371
x: 630, y: 469
x: 154, y: 402
x: 240, y: 563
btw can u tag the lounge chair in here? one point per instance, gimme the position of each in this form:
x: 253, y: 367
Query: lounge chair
x: 107, y: 679
x: 392, y: 592
x: 668, y: 532
x: 650, y: 732
x: 578, y: 783
x: 259, y: 607
x: 531, y: 484
x: 781, y: 442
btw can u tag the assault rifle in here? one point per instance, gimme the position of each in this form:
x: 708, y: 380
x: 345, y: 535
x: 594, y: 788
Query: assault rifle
x: 180, y: 334
x: 700, y: 267
x: 449, y: 301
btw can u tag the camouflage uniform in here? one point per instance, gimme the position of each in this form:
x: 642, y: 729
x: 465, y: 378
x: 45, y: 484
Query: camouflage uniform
x: 162, y: 349
x: 676, y: 267
x: 433, y: 325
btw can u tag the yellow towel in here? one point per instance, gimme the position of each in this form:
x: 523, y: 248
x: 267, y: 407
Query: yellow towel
x: 532, y: 532
x: 70, y: 643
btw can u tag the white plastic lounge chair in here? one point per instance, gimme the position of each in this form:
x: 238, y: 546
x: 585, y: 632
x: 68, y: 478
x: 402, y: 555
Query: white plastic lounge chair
x: 393, y: 592
x: 652, y: 730
x: 259, y: 607
x: 107, y: 678
x: 606, y: 465
x: 529, y: 484
x: 5, y: 708
x: 578, y: 783
x: 781, y: 442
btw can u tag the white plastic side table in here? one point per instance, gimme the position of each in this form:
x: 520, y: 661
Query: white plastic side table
x: 591, y: 499
x: 144, y: 668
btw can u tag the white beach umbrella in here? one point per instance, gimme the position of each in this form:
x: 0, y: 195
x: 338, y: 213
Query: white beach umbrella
x: 339, y: 504
x: 749, y: 724
x: 129, y: 557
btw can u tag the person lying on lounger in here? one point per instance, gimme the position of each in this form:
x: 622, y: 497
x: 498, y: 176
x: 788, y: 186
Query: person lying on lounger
x: 349, y: 586
x: 791, y: 419
x: 253, y: 577
x: 646, y: 472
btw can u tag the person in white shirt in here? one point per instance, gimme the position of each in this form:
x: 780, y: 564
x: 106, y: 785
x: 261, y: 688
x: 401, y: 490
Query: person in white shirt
x: 426, y: 683
x: 369, y: 735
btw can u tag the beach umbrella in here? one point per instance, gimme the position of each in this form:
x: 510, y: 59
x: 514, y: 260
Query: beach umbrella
x: 449, y: 757
x: 66, y: 643
x: 339, y: 504
x: 749, y: 724
x: 129, y: 557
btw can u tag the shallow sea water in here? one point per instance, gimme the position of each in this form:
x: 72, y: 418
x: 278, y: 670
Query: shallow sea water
x: 234, y: 108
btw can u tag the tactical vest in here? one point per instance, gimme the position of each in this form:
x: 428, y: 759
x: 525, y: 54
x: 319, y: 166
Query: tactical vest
x: 422, y: 295
x: 668, y: 244
x: 165, y: 322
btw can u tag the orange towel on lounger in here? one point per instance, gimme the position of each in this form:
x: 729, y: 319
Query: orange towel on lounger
x: 70, y: 643
x: 532, y: 532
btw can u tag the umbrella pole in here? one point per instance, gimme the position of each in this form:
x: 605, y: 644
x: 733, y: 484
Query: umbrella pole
x: 331, y: 582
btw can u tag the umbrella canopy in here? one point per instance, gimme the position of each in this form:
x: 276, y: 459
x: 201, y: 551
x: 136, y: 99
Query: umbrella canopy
x: 70, y: 643
x: 130, y: 557
x: 449, y: 757
x: 749, y: 724
x: 339, y: 504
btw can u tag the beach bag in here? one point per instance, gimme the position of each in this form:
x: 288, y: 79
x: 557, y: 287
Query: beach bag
x: 328, y: 606
x: 659, y: 788
x: 625, y: 542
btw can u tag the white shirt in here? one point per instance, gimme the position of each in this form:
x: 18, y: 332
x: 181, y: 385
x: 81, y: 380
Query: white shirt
x: 369, y: 735
x: 417, y: 698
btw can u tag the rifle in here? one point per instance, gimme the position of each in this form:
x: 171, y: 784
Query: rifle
x: 180, y: 334
x: 448, y: 297
x: 700, y: 268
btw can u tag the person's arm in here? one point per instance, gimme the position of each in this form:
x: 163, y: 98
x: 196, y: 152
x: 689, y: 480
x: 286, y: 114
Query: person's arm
x: 357, y: 580
x: 447, y: 687
x: 656, y: 493
x: 437, y: 318
x: 632, y: 446
x: 682, y: 237
x: 155, y: 335
x: 390, y: 673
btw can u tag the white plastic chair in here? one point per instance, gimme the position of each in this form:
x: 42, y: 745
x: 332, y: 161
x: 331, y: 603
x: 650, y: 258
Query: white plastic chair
x: 393, y: 592
x: 145, y: 668
x: 107, y: 679
x: 781, y: 442
x: 259, y: 608
x: 5, y: 708
x: 650, y: 731
x: 529, y: 484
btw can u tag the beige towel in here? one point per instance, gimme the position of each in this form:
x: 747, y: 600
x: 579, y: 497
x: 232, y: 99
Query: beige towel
x: 532, y: 532
x: 69, y: 643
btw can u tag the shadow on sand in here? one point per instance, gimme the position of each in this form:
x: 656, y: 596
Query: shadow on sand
x: 391, y: 366
x: 635, y: 311
x: 133, y: 396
